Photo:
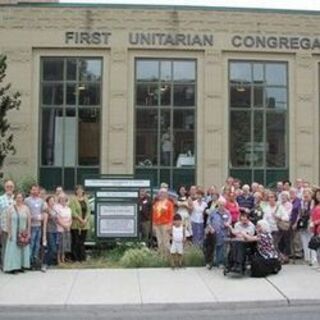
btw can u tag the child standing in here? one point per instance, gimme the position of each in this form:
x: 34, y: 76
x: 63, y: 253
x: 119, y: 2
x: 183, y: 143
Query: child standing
x: 178, y: 239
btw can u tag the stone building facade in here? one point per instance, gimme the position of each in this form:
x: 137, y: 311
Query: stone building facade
x: 184, y: 94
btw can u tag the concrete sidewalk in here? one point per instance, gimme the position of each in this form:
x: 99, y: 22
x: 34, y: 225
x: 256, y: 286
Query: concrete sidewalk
x: 295, y: 284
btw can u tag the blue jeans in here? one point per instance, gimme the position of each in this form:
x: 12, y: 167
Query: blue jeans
x: 219, y: 255
x: 35, y: 243
x: 52, y: 248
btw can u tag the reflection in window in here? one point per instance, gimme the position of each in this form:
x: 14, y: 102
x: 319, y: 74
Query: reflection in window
x: 165, y: 135
x: 70, y: 132
x: 258, y: 125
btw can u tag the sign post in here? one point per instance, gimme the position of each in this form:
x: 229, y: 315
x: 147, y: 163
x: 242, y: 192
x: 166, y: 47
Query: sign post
x: 116, y: 206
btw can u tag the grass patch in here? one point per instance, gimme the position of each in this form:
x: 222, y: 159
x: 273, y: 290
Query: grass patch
x: 134, y: 255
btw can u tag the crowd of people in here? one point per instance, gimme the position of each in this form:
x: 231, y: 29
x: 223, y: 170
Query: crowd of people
x: 41, y: 230
x: 278, y: 224
x: 228, y: 224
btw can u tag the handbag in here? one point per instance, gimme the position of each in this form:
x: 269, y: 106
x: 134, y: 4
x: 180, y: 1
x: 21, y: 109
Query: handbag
x: 314, y: 243
x: 283, y: 225
x: 22, y: 235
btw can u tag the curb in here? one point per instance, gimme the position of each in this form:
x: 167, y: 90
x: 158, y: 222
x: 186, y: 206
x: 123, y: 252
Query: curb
x: 231, y: 305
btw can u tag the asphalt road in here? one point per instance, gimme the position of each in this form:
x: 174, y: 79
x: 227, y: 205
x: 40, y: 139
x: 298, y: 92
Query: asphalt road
x: 263, y: 313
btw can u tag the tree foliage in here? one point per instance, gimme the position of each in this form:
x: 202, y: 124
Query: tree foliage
x: 8, y: 101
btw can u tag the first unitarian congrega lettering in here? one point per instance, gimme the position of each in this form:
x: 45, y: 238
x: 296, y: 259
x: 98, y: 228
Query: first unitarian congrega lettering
x: 196, y: 40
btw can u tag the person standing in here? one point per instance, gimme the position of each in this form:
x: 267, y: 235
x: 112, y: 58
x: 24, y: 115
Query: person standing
x: 80, y: 209
x: 296, y: 246
x: 218, y: 226
x: 145, y: 205
x: 303, y: 222
x: 162, y: 216
x: 17, y: 252
x: 178, y: 240
x: 6, y: 200
x: 50, y: 235
x: 315, y: 219
x: 183, y: 209
x: 282, y: 237
x: 36, y: 206
x: 233, y: 207
x: 64, y: 219
x: 198, y: 208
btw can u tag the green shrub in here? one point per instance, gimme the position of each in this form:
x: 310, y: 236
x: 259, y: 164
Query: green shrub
x: 142, y: 258
x: 193, y: 257
x: 24, y: 183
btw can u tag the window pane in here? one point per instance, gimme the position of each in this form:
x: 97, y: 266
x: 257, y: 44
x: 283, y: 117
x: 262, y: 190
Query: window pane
x: 276, y: 139
x: 240, y: 97
x: 52, y: 137
x: 71, y: 94
x: 51, y: 177
x: 165, y: 70
x: 146, y: 138
x: 184, y: 95
x: 52, y: 69
x: 149, y: 174
x: 71, y: 69
x: 146, y: 148
x: 90, y: 69
x: 276, y: 175
x: 258, y: 97
x: 69, y: 182
x: 147, y: 119
x: 165, y: 94
x: 89, y: 94
x: 184, y: 119
x: 258, y: 145
x: 240, y: 72
x: 245, y: 176
x: 258, y: 73
x: 52, y: 94
x: 83, y: 173
x: 165, y: 176
x: 184, y: 149
x: 147, y: 95
x: 184, y: 71
x: 89, y: 137
x: 70, y: 142
x: 183, y: 177
x: 240, y: 139
x: 276, y: 74
x: 276, y: 98
x: 166, y: 138
x: 147, y: 70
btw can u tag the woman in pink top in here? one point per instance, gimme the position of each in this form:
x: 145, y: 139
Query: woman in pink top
x: 64, y: 221
x: 315, y: 218
x: 233, y: 207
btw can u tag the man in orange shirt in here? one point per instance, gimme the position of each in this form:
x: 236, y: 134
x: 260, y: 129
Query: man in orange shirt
x: 162, y: 215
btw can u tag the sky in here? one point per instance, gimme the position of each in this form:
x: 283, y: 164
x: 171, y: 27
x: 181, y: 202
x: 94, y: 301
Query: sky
x: 271, y: 4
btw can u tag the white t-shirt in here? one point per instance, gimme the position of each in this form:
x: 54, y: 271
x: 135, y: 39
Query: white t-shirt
x: 269, y: 216
x: 197, y: 211
x: 177, y: 234
x: 249, y: 228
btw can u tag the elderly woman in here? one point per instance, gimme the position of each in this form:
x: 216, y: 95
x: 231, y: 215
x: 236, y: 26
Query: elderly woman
x: 282, y: 237
x: 266, y: 260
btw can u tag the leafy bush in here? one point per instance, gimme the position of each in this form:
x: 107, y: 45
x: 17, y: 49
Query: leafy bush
x: 193, y: 257
x: 24, y: 183
x: 142, y: 258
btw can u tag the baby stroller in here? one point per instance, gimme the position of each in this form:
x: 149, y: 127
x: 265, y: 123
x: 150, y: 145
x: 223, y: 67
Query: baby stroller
x: 239, y: 256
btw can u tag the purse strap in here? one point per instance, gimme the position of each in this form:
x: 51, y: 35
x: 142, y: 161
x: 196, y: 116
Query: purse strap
x: 18, y: 219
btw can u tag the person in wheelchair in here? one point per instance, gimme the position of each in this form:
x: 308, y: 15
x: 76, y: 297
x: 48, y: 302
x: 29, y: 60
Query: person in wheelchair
x: 265, y: 261
x: 240, y: 248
